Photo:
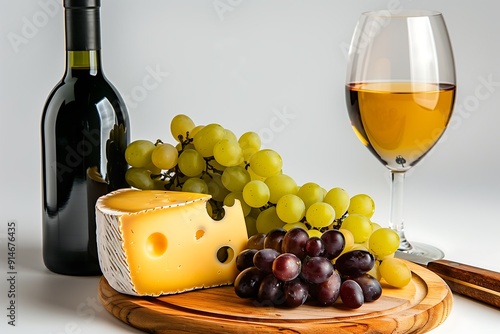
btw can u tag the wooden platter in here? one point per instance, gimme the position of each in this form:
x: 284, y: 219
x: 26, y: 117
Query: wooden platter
x: 419, y: 307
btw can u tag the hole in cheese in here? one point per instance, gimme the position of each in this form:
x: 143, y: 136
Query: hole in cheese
x: 156, y: 244
x: 214, y: 211
x: 199, y: 234
x: 225, y: 254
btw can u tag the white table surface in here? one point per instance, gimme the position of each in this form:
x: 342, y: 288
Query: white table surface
x: 51, y: 303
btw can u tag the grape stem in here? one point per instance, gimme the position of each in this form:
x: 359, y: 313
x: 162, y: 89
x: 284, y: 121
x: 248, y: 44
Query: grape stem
x: 184, y: 142
x: 211, y: 168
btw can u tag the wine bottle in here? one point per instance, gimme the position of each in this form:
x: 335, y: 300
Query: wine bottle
x: 84, y: 130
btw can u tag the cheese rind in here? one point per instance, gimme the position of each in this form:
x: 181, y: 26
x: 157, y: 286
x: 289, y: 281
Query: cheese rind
x: 152, y: 243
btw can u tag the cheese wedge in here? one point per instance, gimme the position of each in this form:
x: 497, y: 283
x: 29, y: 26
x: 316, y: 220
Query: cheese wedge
x: 153, y: 243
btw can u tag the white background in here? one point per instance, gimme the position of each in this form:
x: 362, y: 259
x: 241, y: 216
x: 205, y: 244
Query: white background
x: 242, y: 64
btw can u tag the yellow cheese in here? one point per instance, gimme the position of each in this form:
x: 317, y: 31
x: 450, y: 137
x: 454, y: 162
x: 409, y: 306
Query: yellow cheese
x: 162, y: 242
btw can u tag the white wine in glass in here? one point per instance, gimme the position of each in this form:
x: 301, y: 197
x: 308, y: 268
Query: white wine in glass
x: 400, y: 92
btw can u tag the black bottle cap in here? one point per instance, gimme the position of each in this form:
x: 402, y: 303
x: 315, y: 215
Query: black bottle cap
x: 81, y: 3
x: 83, y: 26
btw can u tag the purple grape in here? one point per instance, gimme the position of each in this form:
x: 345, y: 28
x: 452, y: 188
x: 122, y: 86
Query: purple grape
x: 256, y: 241
x: 264, y: 258
x: 274, y: 239
x: 295, y: 241
x: 247, y: 283
x: 271, y: 291
x: 295, y: 292
x: 372, y: 290
x: 334, y: 243
x: 316, y: 269
x: 326, y: 293
x: 315, y: 247
x: 351, y: 294
x: 286, y: 267
x: 355, y: 263
x: 244, y: 259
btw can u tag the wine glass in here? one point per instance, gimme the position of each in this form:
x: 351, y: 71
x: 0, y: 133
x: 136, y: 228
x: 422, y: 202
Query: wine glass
x: 400, y: 91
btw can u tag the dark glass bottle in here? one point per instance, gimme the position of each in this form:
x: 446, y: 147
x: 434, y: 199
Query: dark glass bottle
x: 85, y: 130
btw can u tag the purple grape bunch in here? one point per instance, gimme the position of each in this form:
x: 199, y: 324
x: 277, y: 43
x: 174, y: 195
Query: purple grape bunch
x: 287, y: 268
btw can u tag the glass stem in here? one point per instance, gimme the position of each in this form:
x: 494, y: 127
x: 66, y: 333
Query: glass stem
x: 396, y: 221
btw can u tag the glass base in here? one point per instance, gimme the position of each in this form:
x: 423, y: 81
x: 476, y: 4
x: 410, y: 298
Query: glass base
x: 421, y: 249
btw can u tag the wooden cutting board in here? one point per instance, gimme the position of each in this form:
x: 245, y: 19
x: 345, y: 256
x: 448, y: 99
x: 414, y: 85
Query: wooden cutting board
x: 419, y: 307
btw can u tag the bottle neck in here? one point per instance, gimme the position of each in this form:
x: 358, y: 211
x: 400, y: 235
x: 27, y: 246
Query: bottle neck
x: 85, y: 62
x: 83, y: 37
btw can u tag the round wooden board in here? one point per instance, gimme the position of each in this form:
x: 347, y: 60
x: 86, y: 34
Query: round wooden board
x: 419, y: 307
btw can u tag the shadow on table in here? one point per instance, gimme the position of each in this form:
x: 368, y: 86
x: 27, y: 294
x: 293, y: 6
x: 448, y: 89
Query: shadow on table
x: 71, y: 298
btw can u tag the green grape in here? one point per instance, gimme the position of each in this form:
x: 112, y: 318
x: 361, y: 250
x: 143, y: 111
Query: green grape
x: 164, y: 156
x: 229, y: 135
x: 290, y: 208
x: 250, y: 139
x: 180, y: 126
x: 235, y: 178
x: 381, y: 258
x: 348, y: 237
x: 395, y: 272
x: 256, y: 193
x: 230, y: 199
x: 310, y: 193
x: 268, y: 220
x: 140, y: 178
x: 255, y: 212
x: 266, y: 163
x: 195, y: 130
x: 138, y: 153
x: 375, y: 272
x: 254, y: 176
x: 314, y: 233
x: 210, y: 209
x: 375, y: 226
x: 383, y: 242
x: 362, y: 204
x: 251, y: 223
x: 195, y: 185
x: 191, y: 163
x: 216, y: 167
x: 289, y: 226
x: 215, y: 187
x: 227, y: 152
x: 153, y: 169
x: 205, y: 140
x: 250, y: 143
x: 320, y: 214
x: 160, y: 184
x: 360, y: 247
x: 360, y: 227
x: 280, y: 185
x: 338, y: 198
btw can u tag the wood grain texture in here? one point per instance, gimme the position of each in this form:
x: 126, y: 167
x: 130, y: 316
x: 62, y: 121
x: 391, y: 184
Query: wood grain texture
x: 419, y: 307
x: 477, y: 283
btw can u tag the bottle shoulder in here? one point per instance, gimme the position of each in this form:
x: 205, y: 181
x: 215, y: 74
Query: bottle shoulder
x: 84, y: 92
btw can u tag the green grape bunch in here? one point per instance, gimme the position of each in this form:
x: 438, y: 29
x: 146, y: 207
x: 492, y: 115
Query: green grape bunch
x: 211, y: 159
x: 206, y: 159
